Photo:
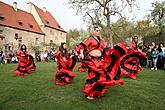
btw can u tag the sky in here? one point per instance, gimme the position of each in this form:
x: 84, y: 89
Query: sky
x: 67, y: 17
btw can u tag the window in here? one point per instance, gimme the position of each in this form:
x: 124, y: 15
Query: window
x: 2, y: 37
x: 2, y: 18
x: 51, y: 41
x: 9, y: 48
x: 47, y: 22
x: 16, y: 36
x: 59, y: 26
x: 37, y: 41
x: 30, y: 25
x: 1, y: 31
x: 20, y: 23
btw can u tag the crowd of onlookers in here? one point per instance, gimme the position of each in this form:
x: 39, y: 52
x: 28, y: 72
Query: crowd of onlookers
x: 155, y: 56
x: 7, y: 58
x: 50, y: 55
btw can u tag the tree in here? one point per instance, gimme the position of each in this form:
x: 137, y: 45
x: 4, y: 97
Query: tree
x: 71, y: 35
x: 75, y: 36
x: 142, y: 27
x: 100, y: 12
x: 157, y: 15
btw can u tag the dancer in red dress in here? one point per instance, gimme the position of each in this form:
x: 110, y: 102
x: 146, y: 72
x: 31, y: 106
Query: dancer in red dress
x: 25, y: 62
x: 98, y: 61
x: 65, y: 64
x: 130, y: 65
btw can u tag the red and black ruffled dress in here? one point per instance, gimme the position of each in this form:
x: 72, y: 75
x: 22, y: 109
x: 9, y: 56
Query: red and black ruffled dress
x: 25, y: 63
x: 111, y: 59
x: 102, y: 70
x: 130, y: 62
x: 65, y: 65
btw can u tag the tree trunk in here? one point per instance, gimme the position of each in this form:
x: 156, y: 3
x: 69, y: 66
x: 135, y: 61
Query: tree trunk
x: 110, y: 33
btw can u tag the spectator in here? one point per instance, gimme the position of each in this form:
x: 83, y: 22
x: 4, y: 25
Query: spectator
x: 46, y: 56
x: 38, y: 57
x: 154, y: 55
x: 1, y: 56
x: 160, y: 63
x: 14, y: 59
x: 149, y: 57
x: 7, y: 58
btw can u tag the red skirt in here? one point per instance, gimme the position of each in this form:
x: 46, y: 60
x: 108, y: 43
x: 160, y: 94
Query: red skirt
x: 22, y: 68
x: 130, y: 65
x: 64, y: 77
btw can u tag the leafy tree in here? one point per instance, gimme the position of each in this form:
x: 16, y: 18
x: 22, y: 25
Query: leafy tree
x: 157, y: 15
x: 75, y: 36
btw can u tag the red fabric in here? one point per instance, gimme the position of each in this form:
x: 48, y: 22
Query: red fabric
x: 64, y: 76
x: 65, y: 65
x: 31, y: 63
x: 130, y: 63
x: 111, y: 61
x: 82, y: 68
x: 133, y: 46
x: 111, y: 65
x: 101, y: 71
x: 22, y: 68
x: 91, y: 44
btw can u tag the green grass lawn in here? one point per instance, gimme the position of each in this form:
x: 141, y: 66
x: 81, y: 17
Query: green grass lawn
x: 37, y: 91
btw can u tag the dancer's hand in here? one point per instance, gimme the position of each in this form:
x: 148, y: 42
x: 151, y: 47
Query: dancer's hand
x: 82, y: 56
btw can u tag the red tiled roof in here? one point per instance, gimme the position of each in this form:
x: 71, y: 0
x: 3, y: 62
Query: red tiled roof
x: 18, y: 19
x: 48, y: 19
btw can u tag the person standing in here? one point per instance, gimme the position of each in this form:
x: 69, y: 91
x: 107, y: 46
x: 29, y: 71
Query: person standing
x: 154, y: 55
x: 1, y: 56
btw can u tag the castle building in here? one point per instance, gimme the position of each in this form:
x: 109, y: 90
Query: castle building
x: 32, y: 27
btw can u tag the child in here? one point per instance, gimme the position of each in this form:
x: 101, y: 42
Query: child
x: 154, y: 55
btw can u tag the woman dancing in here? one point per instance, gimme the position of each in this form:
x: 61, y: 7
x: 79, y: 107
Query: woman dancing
x: 65, y: 64
x: 25, y: 62
x: 97, y: 59
x: 130, y: 62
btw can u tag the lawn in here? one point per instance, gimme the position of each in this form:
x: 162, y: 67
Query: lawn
x: 37, y: 91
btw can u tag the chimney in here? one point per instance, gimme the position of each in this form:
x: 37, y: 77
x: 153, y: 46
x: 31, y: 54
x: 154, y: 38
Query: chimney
x: 44, y: 9
x: 15, y: 6
x: 29, y: 7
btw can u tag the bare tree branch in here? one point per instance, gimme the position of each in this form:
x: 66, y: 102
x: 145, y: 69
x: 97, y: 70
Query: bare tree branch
x: 90, y: 17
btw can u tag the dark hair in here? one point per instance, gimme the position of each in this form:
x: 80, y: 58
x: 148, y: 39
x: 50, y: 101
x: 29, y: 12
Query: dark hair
x: 162, y: 44
x: 62, y: 50
x: 135, y: 37
x: 95, y: 27
x: 154, y: 47
x: 22, y: 47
